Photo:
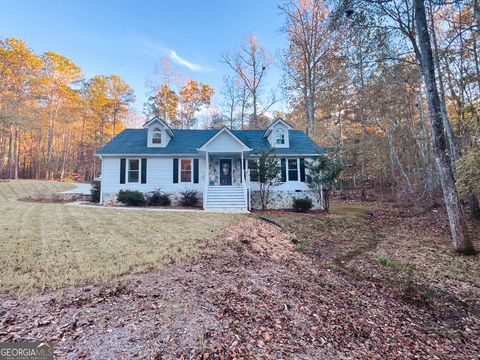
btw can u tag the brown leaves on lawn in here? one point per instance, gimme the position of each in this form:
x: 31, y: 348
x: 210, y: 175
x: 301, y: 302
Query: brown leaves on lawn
x: 252, y: 294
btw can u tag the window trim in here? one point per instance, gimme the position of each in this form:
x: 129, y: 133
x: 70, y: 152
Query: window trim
x: 155, y: 131
x: 127, y: 180
x: 281, y: 132
x: 180, y: 171
x: 249, y: 169
x: 288, y: 170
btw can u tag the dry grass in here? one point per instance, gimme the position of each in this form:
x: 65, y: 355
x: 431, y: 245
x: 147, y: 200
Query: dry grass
x: 53, y: 245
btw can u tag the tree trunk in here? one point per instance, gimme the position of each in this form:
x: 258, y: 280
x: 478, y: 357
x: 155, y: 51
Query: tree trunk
x: 461, y: 242
x: 326, y: 199
x: 10, y: 153
x: 474, y: 207
x: 15, y: 154
x: 452, y: 144
x: 2, y: 150
x: 254, y: 98
x: 476, y: 13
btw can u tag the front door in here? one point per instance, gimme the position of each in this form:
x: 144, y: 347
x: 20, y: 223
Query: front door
x: 225, y: 171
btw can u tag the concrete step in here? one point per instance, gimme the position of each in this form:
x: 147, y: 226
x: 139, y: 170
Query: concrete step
x: 226, y: 203
x: 225, y: 196
x: 221, y: 191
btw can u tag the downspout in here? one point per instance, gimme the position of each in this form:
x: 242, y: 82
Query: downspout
x: 101, y: 180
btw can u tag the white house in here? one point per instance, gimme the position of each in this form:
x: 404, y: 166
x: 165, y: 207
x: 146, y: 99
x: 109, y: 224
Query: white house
x: 220, y: 164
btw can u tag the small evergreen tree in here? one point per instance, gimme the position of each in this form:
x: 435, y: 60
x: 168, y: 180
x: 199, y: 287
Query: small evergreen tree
x: 322, y: 174
x: 268, y: 175
x: 95, y: 190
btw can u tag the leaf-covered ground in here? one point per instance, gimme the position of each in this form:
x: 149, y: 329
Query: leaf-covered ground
x: 363, y: 283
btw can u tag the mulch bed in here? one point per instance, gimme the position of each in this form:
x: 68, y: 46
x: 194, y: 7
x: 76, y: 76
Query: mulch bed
x: 250, y: 296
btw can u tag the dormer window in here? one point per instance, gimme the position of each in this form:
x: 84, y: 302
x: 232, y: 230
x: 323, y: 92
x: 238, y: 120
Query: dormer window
x: 280, y: 137
x: 156, y: 136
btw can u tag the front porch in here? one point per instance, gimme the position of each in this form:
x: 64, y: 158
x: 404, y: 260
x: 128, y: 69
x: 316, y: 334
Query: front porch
x: 226, y: 186
x: 226, y: 179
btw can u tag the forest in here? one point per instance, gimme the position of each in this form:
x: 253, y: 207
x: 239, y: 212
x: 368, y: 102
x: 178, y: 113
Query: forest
x: 390, y: 86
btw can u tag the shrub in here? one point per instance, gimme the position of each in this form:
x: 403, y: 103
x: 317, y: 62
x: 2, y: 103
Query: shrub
x: 131, y: 197
x: 158, y: 198
x: 95, y: 190
x: 188, y: 198
x: 302, y: 204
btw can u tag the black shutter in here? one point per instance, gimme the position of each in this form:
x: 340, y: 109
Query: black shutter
x: 302, y: 169
x: 144, y: 171
x: 123, y: 166
x: 283, y: 162
x: 195, y: 171
x: 175, y: 171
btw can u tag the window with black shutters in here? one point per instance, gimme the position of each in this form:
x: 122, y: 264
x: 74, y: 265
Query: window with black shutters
x: 292, y: 170
x: 186, y: 170
x: 133, y: 170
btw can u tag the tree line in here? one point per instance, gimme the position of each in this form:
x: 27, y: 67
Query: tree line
x: 52, y: 119
x: 393, y: 86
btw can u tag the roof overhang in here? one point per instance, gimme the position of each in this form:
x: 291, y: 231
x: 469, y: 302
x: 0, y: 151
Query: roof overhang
x: 220, y: 132
x: 152, y: 121
x: 268, y: 131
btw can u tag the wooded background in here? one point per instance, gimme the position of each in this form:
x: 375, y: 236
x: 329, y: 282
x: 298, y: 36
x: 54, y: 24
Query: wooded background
x: 351, y: 78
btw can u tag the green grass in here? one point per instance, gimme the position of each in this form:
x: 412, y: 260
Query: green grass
x: 395, y: 264
x: 46, y: 245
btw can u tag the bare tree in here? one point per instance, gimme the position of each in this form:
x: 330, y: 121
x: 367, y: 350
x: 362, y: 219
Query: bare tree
x: 461, y: 242
x: 311, y: 38
x: 230, y: 93
x: 250, y: 62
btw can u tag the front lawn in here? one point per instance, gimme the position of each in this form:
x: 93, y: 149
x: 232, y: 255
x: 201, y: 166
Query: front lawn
x: 46, y: 245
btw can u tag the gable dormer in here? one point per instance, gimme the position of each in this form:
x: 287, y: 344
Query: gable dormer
x: 159, y: 133
x: 277, y: 134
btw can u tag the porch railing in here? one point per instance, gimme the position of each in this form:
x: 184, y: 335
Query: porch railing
x: 206, y: 180
x: 246, y: 187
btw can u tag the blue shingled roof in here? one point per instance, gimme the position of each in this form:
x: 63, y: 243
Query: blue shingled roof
x: 186, y: 142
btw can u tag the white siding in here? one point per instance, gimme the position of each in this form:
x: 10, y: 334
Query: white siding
x: 159, y: 175
x: 224, y: 143
x: 271, y: 137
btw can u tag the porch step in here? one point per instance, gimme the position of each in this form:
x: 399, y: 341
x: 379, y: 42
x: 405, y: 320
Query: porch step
x: 226, y: 198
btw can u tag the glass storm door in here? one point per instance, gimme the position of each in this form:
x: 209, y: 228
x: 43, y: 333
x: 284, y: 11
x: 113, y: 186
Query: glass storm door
x: 225, y: 171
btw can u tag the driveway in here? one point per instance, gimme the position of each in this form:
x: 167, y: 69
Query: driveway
x: 81, y: 188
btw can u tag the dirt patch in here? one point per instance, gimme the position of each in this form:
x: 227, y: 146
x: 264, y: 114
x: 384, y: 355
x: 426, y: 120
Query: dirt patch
x: 251, y: 295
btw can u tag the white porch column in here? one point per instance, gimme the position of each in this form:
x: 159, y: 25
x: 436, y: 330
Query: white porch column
x: 241, y: 166
x: 206, y: 179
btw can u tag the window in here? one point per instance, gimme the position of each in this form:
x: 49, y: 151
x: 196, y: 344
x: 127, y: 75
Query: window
x: 156, y: 136
x: 279, y: 137
x: 133, y: 170
x: 186, y: 170
x: 253, y: 166
x: 292, y: 170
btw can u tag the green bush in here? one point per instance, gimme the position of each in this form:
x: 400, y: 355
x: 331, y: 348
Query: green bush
x: 158, y: 198
x: 131, y: 197
x: 95, y: 191
x: 302, y: 204
x: 188, y: 198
